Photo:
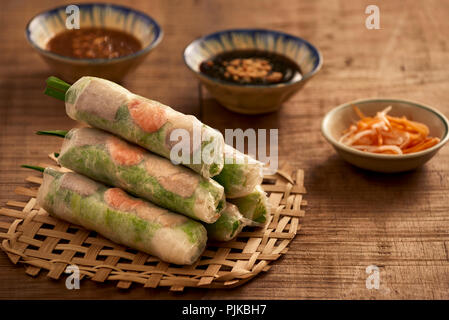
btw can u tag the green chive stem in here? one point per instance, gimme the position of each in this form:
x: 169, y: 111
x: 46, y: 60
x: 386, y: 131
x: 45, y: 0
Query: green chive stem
x: 56, y: 133
x: 37, y: 168
x: 56, y: 88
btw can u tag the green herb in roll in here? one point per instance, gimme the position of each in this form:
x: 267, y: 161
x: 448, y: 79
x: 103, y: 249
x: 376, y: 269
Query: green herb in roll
x: 121, y: 218
x: 228, y: 226
x: 254, y: 206
x: 241, y: 173
x: 111, y: 160
x: 106, y: 105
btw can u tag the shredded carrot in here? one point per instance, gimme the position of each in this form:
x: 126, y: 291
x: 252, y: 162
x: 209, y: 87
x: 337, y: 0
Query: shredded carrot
x: 387, y: 134
x: 359, y: 113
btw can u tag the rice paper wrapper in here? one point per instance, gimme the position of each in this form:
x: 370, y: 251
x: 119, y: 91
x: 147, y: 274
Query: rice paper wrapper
x: 254, y: 206
x: 122, y: 218
x: 228, y: 226
x: 152, y: 125
x: 107, y: 158
x: 241, y: 173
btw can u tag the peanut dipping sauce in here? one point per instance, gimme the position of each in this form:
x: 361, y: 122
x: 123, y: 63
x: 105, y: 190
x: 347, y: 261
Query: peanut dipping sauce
x: 94, y: 43
x: 253, y: 67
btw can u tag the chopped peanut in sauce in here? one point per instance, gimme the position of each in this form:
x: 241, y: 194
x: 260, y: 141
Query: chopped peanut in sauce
x: 251, y: 67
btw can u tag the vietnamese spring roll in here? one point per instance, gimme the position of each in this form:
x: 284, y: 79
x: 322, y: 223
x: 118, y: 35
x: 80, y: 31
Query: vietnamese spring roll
x: 228, y: 226
x: 111, y: 160
x: 156, y: 127
x: 254, y: 206
x: 240, y: 174
x: 121, y: 218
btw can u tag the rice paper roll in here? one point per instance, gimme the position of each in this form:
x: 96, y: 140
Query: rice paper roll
x: 106, y: 105
x: 121, y: 218
x: 241, y: 173
x: 228, y: 226
x: 111, y: 160
x: 254, y: 206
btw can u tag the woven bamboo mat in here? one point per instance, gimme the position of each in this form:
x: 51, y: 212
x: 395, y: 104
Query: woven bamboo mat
x: 41, y: 242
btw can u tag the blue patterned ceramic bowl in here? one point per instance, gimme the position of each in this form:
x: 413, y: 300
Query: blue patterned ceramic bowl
x: 45, y: 25
x: 253, y: 99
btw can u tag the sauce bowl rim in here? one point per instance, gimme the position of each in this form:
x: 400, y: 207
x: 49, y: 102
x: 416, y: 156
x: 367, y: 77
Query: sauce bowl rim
x: 158, y: 34
x: 252, y: 30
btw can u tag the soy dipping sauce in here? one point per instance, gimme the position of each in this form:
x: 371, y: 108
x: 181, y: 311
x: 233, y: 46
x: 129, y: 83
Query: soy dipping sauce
x: 251, y: 67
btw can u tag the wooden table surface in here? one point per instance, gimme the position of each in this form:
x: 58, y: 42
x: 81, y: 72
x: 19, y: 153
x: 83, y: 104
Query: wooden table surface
x: 354, y: 218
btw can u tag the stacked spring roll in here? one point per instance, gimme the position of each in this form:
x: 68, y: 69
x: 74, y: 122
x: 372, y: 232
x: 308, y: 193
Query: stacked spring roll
x: 240, y: 174
x: 247, y: 204
x: 228, y: 226
x: 241, y: 178
x: 105, y: 157
x: 254, y: 206
x: 122, y: 218
x: 106, y: 105
x: 111, y: 160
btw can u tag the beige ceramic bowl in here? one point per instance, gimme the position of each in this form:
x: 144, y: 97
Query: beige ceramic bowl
x: 253, y: 99
x: 341, y: 117
x: 45, y: 25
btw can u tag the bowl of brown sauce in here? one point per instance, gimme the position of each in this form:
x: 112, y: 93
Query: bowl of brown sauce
x: 111, y: 40
x: 252, y: 71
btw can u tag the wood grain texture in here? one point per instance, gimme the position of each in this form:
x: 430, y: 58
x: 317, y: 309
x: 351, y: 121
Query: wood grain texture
x: 354, y: 218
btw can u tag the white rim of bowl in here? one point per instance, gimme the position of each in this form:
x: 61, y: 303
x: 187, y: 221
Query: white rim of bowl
x: 333, y: 141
